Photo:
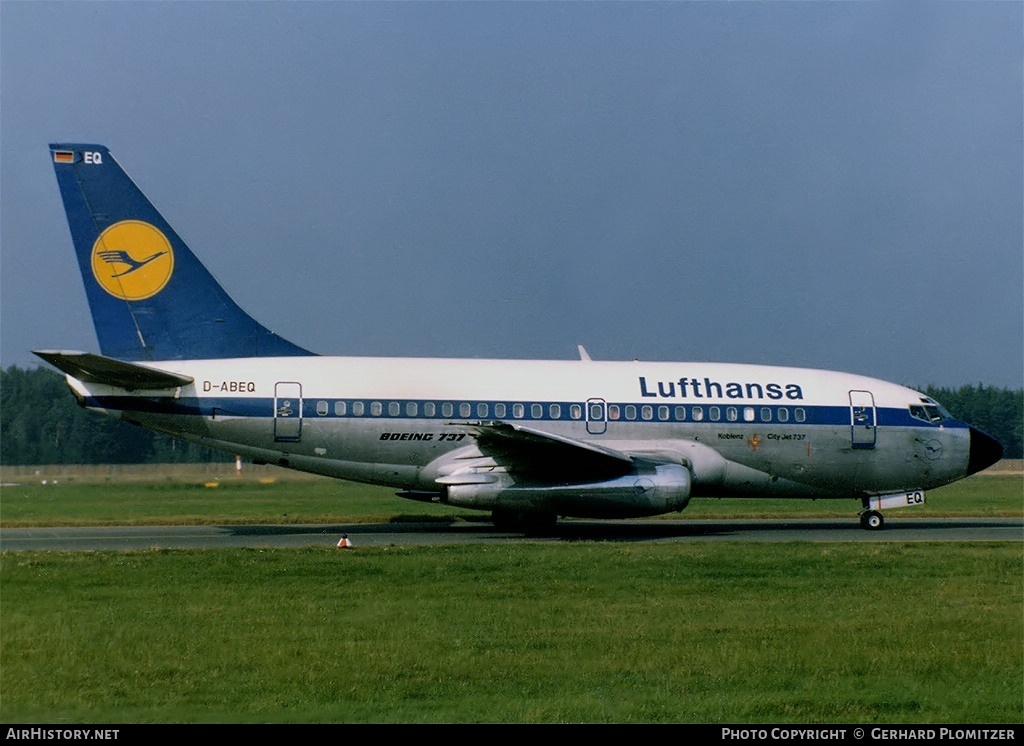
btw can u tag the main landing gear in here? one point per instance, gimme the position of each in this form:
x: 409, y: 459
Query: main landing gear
x: 531, y: 524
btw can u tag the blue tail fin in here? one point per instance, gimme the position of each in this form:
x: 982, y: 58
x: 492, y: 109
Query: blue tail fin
x: 150, y: 298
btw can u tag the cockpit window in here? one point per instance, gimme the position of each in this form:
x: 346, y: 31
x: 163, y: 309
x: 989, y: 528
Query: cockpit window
x: 931, y: 412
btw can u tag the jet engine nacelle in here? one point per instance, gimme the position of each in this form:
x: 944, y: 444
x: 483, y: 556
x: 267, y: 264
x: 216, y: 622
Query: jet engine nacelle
x: 652, y: 490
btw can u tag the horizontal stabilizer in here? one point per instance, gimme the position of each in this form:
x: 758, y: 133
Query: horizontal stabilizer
x: 90, y: 368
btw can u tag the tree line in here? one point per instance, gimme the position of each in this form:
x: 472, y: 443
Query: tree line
x: 997, y: 412
x: 41, y: 423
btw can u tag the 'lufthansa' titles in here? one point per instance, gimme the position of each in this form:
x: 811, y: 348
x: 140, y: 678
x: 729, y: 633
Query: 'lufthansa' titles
x: 707, y: 388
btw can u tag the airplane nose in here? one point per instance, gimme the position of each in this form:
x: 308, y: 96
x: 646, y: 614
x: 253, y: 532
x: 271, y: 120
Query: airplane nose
x: 985, y: 451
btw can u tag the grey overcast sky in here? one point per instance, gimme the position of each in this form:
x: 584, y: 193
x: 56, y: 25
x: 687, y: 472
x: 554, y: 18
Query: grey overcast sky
x: 821, y: 184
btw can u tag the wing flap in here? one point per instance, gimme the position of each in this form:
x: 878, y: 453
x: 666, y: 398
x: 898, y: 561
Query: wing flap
x: 90, y: 368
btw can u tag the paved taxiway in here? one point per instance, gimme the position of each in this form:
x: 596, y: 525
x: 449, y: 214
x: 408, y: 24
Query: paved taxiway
x: 414, y: 534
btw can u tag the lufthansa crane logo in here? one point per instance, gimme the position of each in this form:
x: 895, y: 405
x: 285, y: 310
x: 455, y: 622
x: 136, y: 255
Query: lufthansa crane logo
x: 132, y: 260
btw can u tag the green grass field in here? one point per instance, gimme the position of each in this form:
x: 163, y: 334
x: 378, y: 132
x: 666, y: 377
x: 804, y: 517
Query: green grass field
x: 589, y: 632
x: 530, y: 632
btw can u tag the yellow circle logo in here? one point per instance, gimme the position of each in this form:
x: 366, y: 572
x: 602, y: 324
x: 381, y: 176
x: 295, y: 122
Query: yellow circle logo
x: 132, y: 260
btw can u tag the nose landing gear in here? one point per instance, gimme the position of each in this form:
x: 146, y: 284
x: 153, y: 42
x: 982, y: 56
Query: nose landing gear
x: 871, y: 517
x: 871, y: 520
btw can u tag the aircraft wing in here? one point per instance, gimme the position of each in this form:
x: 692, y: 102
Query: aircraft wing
x: 91, y: 368
x: 540, y: 456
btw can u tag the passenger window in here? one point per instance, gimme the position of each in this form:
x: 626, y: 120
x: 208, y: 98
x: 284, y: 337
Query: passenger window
x: 698, y: 413
x: 663, y: 412
x: 321, y: 408
x: 394, y: 409
x: 680, y: 413
x: 447, y: 409
x: 481, y: 410
x: 518, y: 411
x: 412, y: 409
x: 499, y: 411
x: 555, y: 410
x: 630, y: 411
x: 575, y: 411
x: 429, y: 409
x: 800, y: 414
x: 783, y: 414
x: 465, y: 410
x: 766, y: 414
x: 339, y: 408
x: 731, y: 414
x: 714, y: 413
x: 357, y: 408
x: 647, y: 412
x: 536, y: 411
x: 376, y: 408
x: 613, y: 412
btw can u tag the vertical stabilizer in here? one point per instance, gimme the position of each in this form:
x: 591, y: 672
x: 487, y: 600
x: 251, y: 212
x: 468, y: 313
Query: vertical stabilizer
x: 150, y: 297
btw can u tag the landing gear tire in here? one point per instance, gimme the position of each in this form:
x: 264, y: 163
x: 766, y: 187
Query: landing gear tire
x: 531, y: 524
x: 504, y: 521
x: 872, y: 520
x: 539, y: 524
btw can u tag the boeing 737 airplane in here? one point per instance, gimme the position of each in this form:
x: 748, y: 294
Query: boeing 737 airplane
x: 527, y: 440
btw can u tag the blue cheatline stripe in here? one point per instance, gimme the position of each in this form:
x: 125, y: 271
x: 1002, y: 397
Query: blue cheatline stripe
x: 438, y: 409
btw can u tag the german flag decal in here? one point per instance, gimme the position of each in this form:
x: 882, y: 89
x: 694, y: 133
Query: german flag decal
x: 63, y: 156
